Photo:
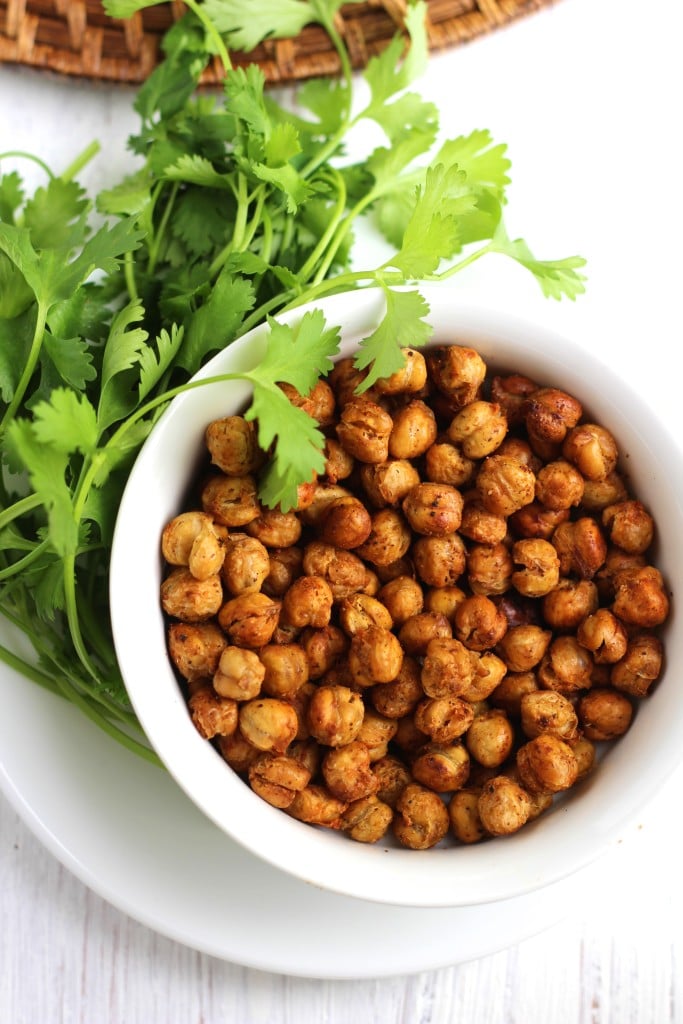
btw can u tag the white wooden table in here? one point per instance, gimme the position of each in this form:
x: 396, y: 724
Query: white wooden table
x: 587, y: 94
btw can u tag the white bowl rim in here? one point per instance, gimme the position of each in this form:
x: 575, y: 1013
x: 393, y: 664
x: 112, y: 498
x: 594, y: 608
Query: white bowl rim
x: 567, y: 839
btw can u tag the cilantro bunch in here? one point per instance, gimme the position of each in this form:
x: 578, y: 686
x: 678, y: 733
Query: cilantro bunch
x: 238, y: 210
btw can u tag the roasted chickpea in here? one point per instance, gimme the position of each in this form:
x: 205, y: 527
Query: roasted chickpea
x: 236, y: 750
x: 434, y: 510
x: 233, y: 446
x: 478, y: 623
x: 503, y: 806
x: 191, y: 539
x: 510, y: 691
x: 322, y: 647
x: 457, y: 371
x: 411, y: 377
x: 442, y: 767
x: 446, y: 464
x: 489, y: 568
x: 347, y: 772
x: 338, y: 463
x: 523, y: 646
x: 285, y: 669
x: 488, y: 675
x: 363, y: 430
x: 547, y: 764
x: 344, y: 571
x: 581, y: 547
x: 346, y: 523
x: 444, y: 719
x: 377, y: 732
x: 345, y: 379
x: 570, y: 603
x: 268, y: 724
x: 463, y: 814
x: 212, y: 715
x: 604, y: 636
x: 539, y: 567
x: 444, y: 600
x: 249, y: 620
x: 335, y: 715
x: 478, y: 524
x: 239, y: 674
x: 393, y: 775
x: 535, y: 520
x: 592, y: 449
x: 639, y: 597
x: 448, y: 668
x: 549, y: 414
x: 585, y: 754
x: 545, y: 711
x: 421, y: 819
x: 401, y: 696
x: 402, y: 597
x: 640, y: 666
x: 359, y: 611
x: 277, y: 778
x: 598, y: 494
x: 275, y: 529
x: 246, y: 565
x: 413, y: 432
x: 478, y: 429
x: 559, y: 485
x: 389, y: 538
x: 308, y: 602
x: 566, y: 666
x: 490, y: 738
x: 319, y: 403
x: 511, y: 392
x: 284, y: 566
x: 185, y: 597
x: 315, y: 805
x: 387, y: 483
x: 375, y: 656
x: 231, y: 500
x: 439, y: 561
x: 604, y: 714
x: 629, y: 525
x: 367, y: 820
x: 195, y: 648
x: 504, y: 484
x: 418, y: 630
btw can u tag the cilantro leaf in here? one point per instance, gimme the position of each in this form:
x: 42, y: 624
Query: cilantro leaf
x: 557, y: 278
x: 66, y: 423
x: 298, y: 355
x: 11, y: 195
x: 403, y: 325
x: 121, y: 354
x: 217, y: 321
x: 246, y: 25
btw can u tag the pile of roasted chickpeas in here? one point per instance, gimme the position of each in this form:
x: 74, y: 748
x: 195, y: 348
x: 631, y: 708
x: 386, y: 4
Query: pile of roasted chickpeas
x: 439, y: 638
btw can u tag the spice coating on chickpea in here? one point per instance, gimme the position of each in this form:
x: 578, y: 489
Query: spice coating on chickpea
x: 459, y: 612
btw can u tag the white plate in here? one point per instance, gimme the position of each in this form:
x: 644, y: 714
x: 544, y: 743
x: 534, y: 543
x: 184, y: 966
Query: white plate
x: 126, y: 830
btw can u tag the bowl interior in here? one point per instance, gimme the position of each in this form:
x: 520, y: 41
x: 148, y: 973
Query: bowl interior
x: 578, y: 828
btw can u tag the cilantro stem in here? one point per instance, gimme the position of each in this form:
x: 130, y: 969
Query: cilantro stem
x: 22, y: 563
x: 25, y: 668
x: 77, y: 165
x: 160, y: 232
x: 19, y: 508
x: 29, y: 365
x: 330, y: 230
x: 21, y: 155
x: 129, y: 277
x: 213, y: 33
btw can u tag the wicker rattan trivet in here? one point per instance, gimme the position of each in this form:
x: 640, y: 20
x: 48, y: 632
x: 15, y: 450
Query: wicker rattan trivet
x: 75, y: 37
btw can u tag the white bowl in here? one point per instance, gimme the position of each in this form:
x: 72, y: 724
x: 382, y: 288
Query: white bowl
x: 579, y: 828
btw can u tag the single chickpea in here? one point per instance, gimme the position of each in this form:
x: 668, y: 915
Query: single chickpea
x: 233, y: 446
x: 237, y: 751
x: 503, y: 806
x: 511, y: 392
x: 411, y: 377
x: 389, y: 538
x: 409, y: 738
x: 319, y: 403
x: 538, y: 802
x: 185, y: 597
x: 478, y: 623
x: 344, y: 571
x: 315, y: 805
x: 392, y: 775
x: 359, y: 611
x: 504, y: 484
x: 444, y: 719
x: 377, y: 732
x: 549, y: 414
x: 463, y: 814
x: 308, y: 752
x: 598, y: 494
x: 335, y: 715
x: 323, y: 648
x: 604, y: 714
x: 421, y: 819
x: 479, y: 525
x: 446, y: 464
x: 490, y: 738
x: 277, y: 778
x: 239, y: 674
x: 581, y: 547
x: 448, y: 668
x: 510, y: 691
x: 413, y: 432
x: 615, y: 563
x: 566, y: 666
x: 285, y: 669
x: 559, y: 485
x: 268, y: 724
x: 284, y: 566
x: 231, y: 500
x: 442, y: 767
x: 444, y: 600
x: 387, y: 483
x: 308, y: 602
x: 246, y: 565
x: 570, y: 603
x: 191, y: 539
x: 300, y: 701
x: 346, y: 523
x: 323, y: 495
x: 547, y: 764
x: 367, y: 820
x: 401, y: 696
x: 439, y: 561
x: 345, y: 380
x: 629, y: 525
x: 402, y: 597
x: 592, y: 449
x: 434, y: 510
x: 363, y: 430
x: 249, y: 619
x: 489, y: 568
x: 490, y: 671
x: 195, y: 648
x: 523, y: 646
x: 640, y: 666
x: 338, y: 463
x: 639, y: 597
x: 519, y: 449
x: 418, y: 630
x: 535, y: 520
x: 479, y: 428
x: 212, y: 715
x: 457, y: 371
x: 275, y: 529
x: 545, y: 711
x: 375, y: 656
x: 539, y: 570
x: 347, y: 772
x: 604, y: 636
